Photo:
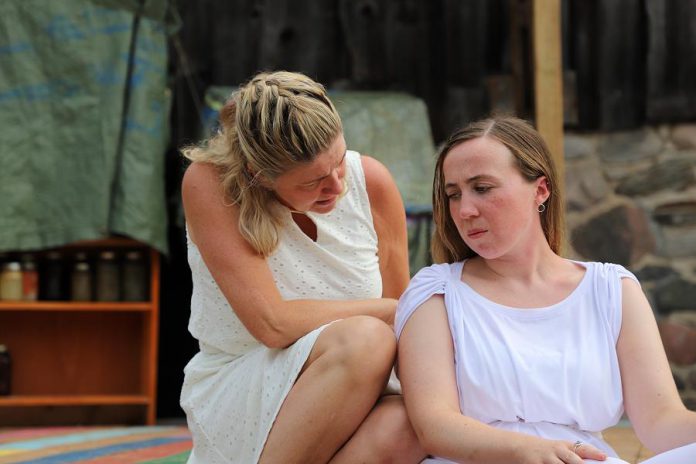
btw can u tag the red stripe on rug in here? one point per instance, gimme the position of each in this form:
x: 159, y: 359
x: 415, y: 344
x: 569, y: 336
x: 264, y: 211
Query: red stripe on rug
x: 144, y: 454
x: 34, y: 433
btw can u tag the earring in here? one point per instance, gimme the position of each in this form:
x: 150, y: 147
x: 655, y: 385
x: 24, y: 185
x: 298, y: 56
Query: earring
x: 541, y: 208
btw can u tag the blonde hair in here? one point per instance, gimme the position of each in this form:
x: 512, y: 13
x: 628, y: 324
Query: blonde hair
x: 271, y: 124
x: 533, y: 161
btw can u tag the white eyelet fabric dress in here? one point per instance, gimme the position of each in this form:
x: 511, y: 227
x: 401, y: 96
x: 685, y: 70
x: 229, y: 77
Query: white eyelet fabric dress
x: 235, y: 386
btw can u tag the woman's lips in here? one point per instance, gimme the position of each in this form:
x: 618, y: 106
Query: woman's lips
x: 475, y: 233
x: 327, y: 201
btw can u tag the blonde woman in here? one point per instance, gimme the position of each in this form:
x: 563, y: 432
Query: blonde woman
x: 510, y: 353
x: 297, y: 248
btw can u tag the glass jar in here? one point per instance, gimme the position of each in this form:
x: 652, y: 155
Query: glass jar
x: 108, y: 279
x: 81, y: 281
x: 134, y: 277
x: 30, y: 279
x: 5, y: 371
x: 11, y: 285
x: 53, y: 277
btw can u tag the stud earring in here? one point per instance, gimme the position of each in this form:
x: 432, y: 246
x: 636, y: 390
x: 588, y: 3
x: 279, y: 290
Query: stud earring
x: 541, y: 208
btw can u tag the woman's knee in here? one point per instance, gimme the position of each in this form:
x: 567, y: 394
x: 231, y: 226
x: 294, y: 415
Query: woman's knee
x: 361, y: 343
x: 395, y: 439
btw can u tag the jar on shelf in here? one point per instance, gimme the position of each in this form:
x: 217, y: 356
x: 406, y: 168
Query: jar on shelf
x: 11, y: 281
x: 134, y: 278
x: 81, y: 279
x: 53, y: 277
x: 5, y: 371
x: 108, y: 279
x: 30, y: 278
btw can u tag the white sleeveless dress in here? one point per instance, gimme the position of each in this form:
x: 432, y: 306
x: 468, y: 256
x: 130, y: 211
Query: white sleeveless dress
x: 552, y: 372
x: 234, y: 387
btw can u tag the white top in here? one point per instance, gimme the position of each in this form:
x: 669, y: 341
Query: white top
x: 552, y: 372
x: 235, y: 385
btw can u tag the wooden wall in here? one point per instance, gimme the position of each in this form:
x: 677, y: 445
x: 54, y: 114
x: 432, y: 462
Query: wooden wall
x: 627, y: 62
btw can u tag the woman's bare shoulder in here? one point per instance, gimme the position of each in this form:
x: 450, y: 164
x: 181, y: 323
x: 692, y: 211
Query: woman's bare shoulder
x: 205, y: 203
x: 378, y: 179
x: 200, y: 175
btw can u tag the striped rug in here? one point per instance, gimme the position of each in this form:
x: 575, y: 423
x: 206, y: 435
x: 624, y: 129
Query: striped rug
x: 96, y: 445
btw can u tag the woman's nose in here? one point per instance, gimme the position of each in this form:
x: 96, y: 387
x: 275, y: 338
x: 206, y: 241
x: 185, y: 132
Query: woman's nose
x: 335, y: 182
x: 467, y: 209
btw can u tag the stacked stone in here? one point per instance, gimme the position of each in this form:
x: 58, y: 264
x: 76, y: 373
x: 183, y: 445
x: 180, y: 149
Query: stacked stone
x: 631, y: 200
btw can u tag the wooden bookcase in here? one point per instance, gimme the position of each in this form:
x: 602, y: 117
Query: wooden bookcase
x: 83, y: 362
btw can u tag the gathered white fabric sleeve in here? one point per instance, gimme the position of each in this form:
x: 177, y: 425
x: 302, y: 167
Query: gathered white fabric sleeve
x: 427, y: 282
x: 609, y: 283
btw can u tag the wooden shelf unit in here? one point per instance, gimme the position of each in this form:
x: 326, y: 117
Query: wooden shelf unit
x: 68, y: 355
x: 73, y: 306
x: 72, y: 400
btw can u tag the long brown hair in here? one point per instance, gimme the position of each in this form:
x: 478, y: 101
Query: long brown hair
x: 533, y: 161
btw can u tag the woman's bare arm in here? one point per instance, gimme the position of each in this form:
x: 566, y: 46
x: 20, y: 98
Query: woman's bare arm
x: 651, y: 398
x: 389, y: 219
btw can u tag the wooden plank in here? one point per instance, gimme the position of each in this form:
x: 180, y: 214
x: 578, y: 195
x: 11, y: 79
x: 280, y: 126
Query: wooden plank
x: 109, y: 242
x: 301, y: 35
x: 671, y: 64
x: 72, y: 400
x: 222, y: 40
x: 584, y: 62
x: 148, y: 365
x: 465, y: 44
x: 388, y: 43
x: 363, y: 25
x: 397, y: 46
x: 548, y: 76
x: 621, y: 77
x: 74, y: 353
x: 408, y: 28
x: 520, y: 60
x: 73, y: 306
x: 107, y: 412
x: 609, y: 59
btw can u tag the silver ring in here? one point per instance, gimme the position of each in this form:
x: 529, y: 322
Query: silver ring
x: 577, y: 445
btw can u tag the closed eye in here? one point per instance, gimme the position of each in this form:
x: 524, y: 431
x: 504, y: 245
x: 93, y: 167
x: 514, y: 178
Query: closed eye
x: 311, y: 185
x: 482, y: 188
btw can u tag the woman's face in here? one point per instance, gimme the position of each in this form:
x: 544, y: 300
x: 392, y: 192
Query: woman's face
x: 315, y: 186
x: 492, y: 205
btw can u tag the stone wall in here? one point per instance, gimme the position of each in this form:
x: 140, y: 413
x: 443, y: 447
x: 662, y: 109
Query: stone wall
x: 631, y: 200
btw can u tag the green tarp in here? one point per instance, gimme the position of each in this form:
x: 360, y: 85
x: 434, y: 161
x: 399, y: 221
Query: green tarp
x: 76, y: 161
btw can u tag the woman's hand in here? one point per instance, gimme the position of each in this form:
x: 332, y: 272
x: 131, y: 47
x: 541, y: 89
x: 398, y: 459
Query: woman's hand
x: 541, y: 451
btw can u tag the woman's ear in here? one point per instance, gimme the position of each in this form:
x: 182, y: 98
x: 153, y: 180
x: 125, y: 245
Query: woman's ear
x: 257, y: 178
x: 543, y: 192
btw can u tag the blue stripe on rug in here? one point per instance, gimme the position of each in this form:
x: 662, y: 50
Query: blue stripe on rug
x: 103, y: 451
x: 69, y: 439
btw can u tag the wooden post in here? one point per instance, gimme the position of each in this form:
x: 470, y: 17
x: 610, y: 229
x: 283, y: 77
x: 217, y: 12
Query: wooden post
x: 548, y: 76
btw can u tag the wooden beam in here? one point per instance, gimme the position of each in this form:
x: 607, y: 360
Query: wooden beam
x: 548, y: 76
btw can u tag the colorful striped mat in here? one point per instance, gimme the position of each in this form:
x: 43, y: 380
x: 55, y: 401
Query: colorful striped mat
x: 96, y: 445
